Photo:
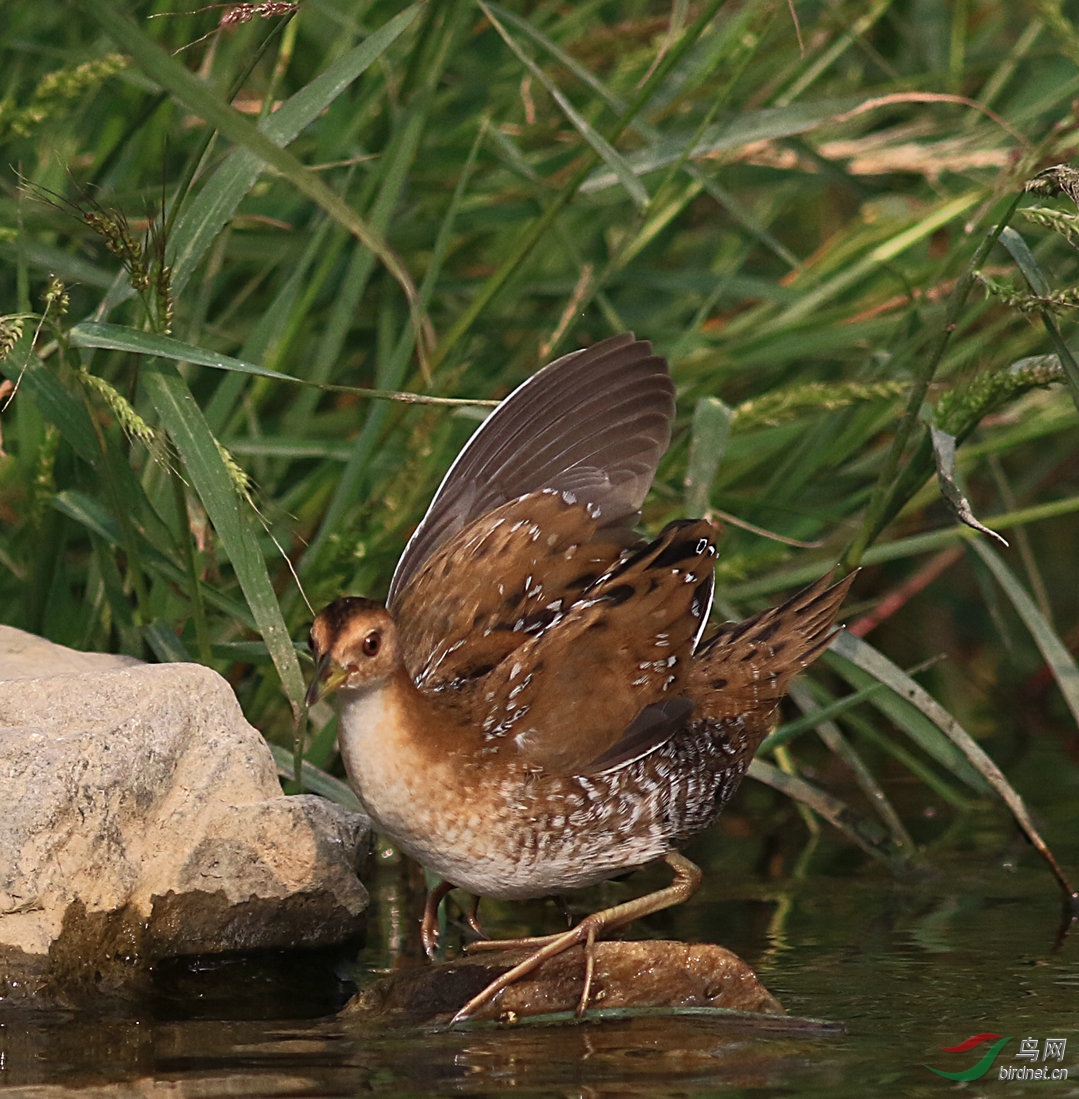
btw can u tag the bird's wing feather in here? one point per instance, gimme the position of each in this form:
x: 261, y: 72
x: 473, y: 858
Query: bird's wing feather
x: 593, y: 423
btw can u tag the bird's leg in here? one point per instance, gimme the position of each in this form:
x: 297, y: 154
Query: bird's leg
x: 429, y: 923
x: 687, y: 878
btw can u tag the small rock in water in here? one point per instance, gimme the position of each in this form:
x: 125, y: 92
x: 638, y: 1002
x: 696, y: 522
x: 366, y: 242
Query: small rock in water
x: 636, y: 974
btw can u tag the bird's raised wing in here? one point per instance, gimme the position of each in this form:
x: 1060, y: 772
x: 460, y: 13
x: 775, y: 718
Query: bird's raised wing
x: 592, y: 425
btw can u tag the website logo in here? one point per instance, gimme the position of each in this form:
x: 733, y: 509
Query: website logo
x: 985, y: 1063
x: 1029, y: 1050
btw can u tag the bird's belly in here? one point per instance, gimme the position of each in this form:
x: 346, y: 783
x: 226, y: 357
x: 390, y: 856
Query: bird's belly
x: 502, y: 830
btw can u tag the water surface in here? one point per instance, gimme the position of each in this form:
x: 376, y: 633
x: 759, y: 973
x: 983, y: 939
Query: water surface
x: 961, y: 945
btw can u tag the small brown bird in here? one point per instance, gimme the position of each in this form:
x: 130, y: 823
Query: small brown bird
x: 537, y: 708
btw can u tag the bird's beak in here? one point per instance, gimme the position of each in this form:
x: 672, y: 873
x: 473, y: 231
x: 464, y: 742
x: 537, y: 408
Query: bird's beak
x: 327, y: 678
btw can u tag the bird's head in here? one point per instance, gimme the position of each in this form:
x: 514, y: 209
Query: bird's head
x: 354, y: 645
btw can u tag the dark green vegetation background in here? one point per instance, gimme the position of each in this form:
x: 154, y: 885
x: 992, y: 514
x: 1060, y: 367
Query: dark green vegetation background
x: 791, y: 201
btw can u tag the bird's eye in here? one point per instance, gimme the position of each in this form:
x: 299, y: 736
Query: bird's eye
x: 372, y: 643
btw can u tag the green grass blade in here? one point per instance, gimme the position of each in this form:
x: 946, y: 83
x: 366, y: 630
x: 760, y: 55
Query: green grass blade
x: 166, y: 646
x: 903, y: 548
x: 881, y: 255
x: 171, y: 75
x: 1020, y: 251
x: 23, y: 368
x: 1059, y: 660
x: 802, y: 694
x: 209, y: 476
x: 90, y: 514
x: 866, y: 658
x: 118, y: 337
x: 202, y: 219
x: 707, y: 444
x: 860, y: 832
x: 770, y: 124
x: 791, y: 730
x: 911, y: 707
x: 596, y: 141
x: 316, y: 780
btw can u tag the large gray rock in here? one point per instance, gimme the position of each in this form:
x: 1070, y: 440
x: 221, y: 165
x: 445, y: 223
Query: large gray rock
x: 142, y: 818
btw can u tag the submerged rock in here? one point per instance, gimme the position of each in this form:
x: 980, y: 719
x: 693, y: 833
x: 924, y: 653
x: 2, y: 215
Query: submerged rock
x: 142, y: 819
x: 650, y: 974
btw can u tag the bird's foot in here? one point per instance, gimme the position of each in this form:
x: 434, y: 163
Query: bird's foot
x: 472, y: 918
x: 687, y: 877
x: 587, y: 931
x: 429, y: 933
